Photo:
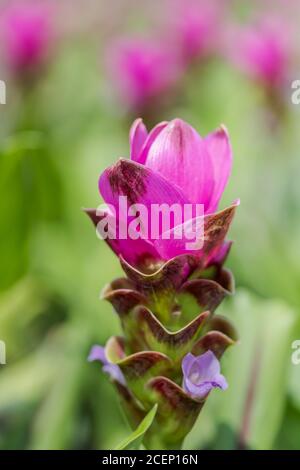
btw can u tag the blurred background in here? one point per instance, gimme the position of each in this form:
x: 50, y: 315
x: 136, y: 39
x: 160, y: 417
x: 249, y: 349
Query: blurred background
x: 77, y: 73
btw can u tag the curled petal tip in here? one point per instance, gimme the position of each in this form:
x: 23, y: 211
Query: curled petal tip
x: 97, y: 353
x: 224, y: 130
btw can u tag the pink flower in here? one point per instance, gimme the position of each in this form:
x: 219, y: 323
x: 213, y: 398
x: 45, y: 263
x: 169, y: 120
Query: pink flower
x: 263, y: 51
x: 170, y: 165
x: 25, y: 34
x: 141, y: 70
x: 195, y: 26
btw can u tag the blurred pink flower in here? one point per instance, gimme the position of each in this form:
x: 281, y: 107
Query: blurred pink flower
x: 142, y: 69
x: 263, y: 51
x: 25, y: 33
x: 194, y: 27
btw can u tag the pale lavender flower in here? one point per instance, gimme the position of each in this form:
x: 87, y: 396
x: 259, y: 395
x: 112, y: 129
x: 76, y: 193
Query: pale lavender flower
x: 98, y: 354
x: 201, y: 374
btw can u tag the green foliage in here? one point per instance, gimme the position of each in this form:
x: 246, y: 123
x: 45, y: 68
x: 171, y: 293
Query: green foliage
x: 30, y: 192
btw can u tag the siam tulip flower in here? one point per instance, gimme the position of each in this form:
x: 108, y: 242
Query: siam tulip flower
x: 172, y: 340
x: 201, y: 374
x: 172, y: 164
x: 142, y: 70
x: 26, y: 34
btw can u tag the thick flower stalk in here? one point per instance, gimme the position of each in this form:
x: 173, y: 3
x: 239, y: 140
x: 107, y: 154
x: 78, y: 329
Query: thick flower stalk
x: 172, y: 341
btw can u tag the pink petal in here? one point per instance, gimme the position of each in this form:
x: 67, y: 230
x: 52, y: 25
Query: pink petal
x: 149, y: 141
x: 221, y: 254
x: 137, y: 136
x: 139, y: 183
x: 180, y: 155
x: 219, y: 148
x: 135, y: 252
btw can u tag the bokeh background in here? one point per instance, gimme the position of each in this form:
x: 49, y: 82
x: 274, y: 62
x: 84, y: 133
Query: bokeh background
x: 77, y: 73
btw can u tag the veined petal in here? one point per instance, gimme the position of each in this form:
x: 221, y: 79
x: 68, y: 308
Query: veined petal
x: 219, y: 149
x: 180, y: 155
x: 137, y: 136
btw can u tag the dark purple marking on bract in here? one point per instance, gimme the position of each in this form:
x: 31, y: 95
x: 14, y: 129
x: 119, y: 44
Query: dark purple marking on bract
x: 128, y: 180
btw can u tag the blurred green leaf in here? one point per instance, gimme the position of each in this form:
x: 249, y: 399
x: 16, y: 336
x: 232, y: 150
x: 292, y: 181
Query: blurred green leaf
x: 30, y: 191
x: 135, y: 439
x: 55, y: 423
x: 288, y: 436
